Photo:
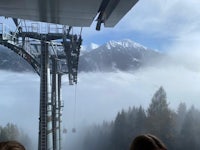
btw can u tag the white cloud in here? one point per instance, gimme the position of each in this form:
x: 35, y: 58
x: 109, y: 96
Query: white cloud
x: 109, y: 92
x: 19, y: 102
x: 100, y: 95
x: 173, y: 20
x: 162, y: 17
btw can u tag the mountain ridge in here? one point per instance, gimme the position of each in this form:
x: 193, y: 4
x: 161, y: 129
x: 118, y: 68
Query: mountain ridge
x: 121, y: 55
x: 118, y: 55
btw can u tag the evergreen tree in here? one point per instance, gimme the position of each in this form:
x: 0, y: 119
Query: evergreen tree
x: 126, y: 126
x: 179, y: 130
x: 190, y: 133
x: 160, y: 119
x: 140, y: 123
x: 181, y: 113
x: 97, y: 137
x: 120, y: 130
x: 131, y: 123
x: 9, y: 132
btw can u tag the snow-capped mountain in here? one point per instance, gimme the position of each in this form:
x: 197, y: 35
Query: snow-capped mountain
x: 88, y: 48
x: 118, y: 55
x: 121, y: 55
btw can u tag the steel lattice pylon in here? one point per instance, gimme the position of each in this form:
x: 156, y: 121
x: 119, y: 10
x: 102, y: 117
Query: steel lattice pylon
x: 55, y: 54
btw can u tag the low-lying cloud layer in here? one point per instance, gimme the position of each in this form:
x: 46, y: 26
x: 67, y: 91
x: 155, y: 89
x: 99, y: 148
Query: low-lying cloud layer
x: 99, y: 96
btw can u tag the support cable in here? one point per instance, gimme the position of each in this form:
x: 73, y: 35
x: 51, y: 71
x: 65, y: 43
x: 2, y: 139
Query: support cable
x: 81, y: 31
x: 74, y: 114
x: 25, y: 25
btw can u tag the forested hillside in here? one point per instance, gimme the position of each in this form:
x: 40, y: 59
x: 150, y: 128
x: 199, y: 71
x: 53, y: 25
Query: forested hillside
x: 179, y: 129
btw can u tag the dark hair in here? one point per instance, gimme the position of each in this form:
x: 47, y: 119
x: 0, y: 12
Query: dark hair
x: 11, y: 145
x: 147, y: 142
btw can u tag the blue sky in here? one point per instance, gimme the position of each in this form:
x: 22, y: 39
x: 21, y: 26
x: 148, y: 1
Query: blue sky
x: 157, y: 24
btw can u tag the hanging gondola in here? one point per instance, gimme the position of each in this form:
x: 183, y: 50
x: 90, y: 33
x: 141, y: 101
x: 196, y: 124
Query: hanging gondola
x: 73, y: 130
x: 65, y: 131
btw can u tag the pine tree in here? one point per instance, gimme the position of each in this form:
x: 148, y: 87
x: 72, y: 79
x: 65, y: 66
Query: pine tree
x: 9, y: 132
x: 160, y: 119
x: 190, y: 132
x: 181, y: 113
x: 140, y: 123
x: 119, y: 134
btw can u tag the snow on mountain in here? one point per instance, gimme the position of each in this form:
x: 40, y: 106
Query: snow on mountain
x: 121, y: 55
x: 118, y: 55
x: 126, y: 43
x: 88, y: 48
x: 94, y: 46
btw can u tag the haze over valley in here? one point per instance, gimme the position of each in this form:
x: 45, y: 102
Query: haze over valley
x: 105, y: 88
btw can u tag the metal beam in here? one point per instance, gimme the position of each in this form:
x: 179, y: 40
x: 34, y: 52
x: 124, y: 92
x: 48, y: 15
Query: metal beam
x: 42, y: 143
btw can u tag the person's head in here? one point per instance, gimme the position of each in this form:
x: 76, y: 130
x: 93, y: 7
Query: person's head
x: 11, y: 145
x: 147, y: 142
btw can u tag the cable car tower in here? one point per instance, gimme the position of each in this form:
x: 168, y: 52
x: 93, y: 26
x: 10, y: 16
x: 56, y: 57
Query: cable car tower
x: 51, y: 53
x: 56, y: 51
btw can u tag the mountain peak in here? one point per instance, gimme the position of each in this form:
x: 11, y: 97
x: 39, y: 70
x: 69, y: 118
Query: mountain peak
x: 121, y: 55
x: 89, y: 47
x: 126, y: 43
